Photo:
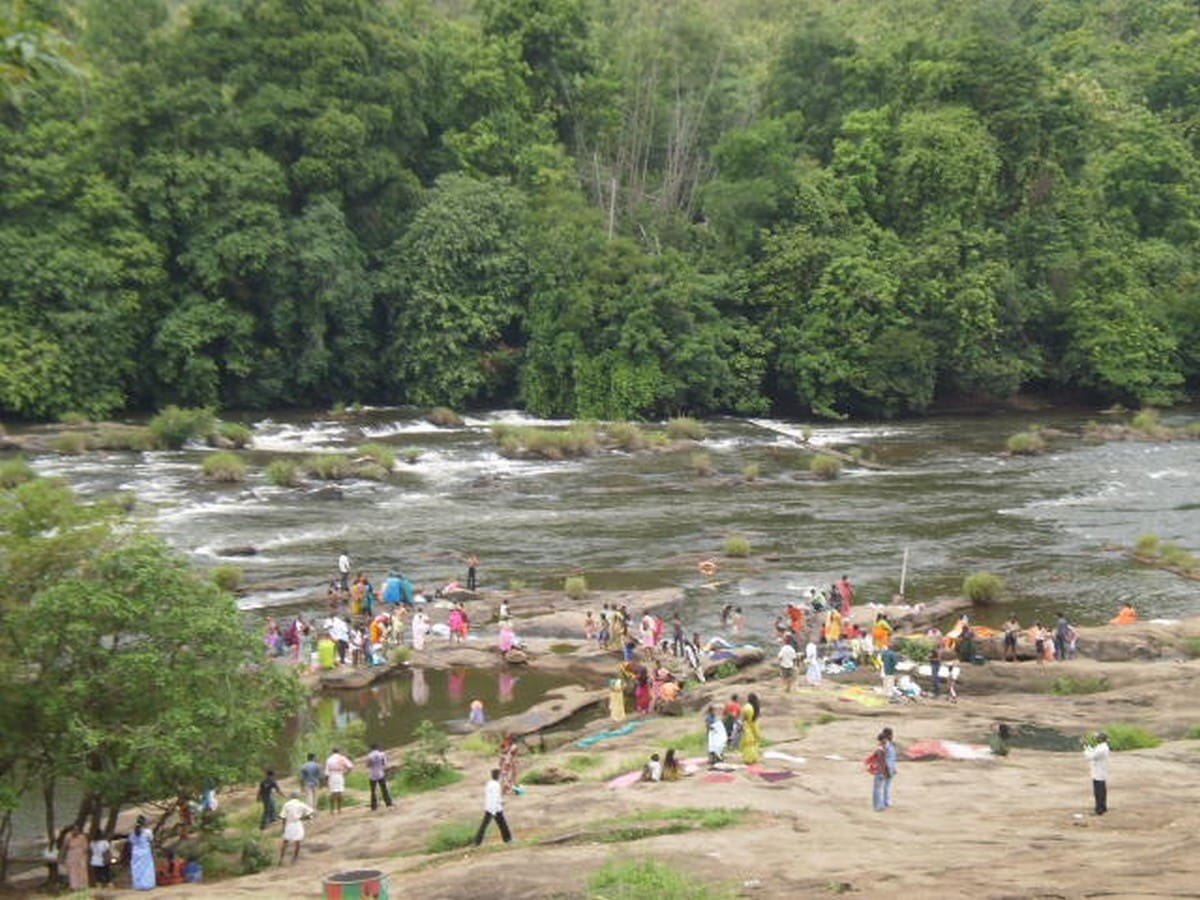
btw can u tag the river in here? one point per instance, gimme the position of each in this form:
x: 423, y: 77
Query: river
x: 946, y: 494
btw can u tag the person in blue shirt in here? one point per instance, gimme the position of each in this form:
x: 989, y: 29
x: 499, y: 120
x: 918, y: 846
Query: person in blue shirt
x: 392, y: 592
x: 885, y: 770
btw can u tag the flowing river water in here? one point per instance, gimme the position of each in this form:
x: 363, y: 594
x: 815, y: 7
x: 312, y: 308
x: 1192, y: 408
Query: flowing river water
x: 945, y: 492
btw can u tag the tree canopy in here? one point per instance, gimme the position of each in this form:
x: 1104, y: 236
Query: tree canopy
x: 608, y: 208
x: 121, y: 670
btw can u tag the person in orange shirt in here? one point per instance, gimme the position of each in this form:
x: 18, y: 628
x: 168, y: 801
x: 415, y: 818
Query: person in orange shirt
x: 881, y: 631
x: 1127, y: 616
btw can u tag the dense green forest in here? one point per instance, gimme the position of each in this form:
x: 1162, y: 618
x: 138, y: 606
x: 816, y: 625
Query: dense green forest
x: 597, y: 208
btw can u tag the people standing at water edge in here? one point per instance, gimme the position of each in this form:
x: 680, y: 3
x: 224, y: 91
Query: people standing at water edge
x: 294, y: 812
x: 420, y: 628
x: 1097, y: 752
x: 1012, y: 628
x: 310, y: 780
x: 472, y: 565
x: 1062, y: 635
x: 846, y: 594
x: 884, y: 769
x: 493, y: 808
x: 141, y: 856
x: 344, y: 572
x: 377, y: 772
x: 336, y: 767
x: 267, y: 789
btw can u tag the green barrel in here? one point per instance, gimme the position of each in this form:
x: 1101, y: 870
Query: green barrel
x: 357, y: 884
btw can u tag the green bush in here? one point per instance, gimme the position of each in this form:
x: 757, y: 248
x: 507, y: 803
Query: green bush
x: 451, y: 836
x: 1122, y: 736
x: 225, y: 467
x: 1146, y: 420
x: 228, y: 577
x: 983, y: 587
x: 686, y: 428
x: 1026, y: 443
x: 283, y: 473
x: 411, y: 455
x: 918, y: 649
x: 1174, y: 555
x: 737, y: 545
x: 371, y: 471
x: 255, y: 856
x: 575, y: 586
x: 379, y: 454
x: 329, y: 466
x: 751, y: 471
x: 69, y: 442
x: 825, y: 467
x: 1071, y: 685
x: 112, y: 436
x: 174, y: 427
x: 69, y: 418
x: 630, y: 879
x: 1192, y: 734
x: 627, y: 436
x: 549, y: 443
x: 477, y: 742
x: 232, y: 434
x: 425, y: 760
x: 727, y: 670
x: 14, y: 471
x: 1147, y: 545
x: 701, y: 463
x: 444, y: 417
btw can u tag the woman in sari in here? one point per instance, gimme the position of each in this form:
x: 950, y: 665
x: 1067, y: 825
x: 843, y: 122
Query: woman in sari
x: 141, y: 856
x: 508, y: 764
x: 616, y: 700
x: 76, y: 859
x: 420, y: 626
x: 750, y: 733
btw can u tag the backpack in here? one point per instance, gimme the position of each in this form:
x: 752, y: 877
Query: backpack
x: 874, y: 762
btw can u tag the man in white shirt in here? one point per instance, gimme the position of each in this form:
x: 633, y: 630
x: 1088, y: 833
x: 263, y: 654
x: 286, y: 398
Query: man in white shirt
x: 344, y: 571
x: 293, y: 813
x: 1097, y: 755
x: 787, y: 665
x: 493, y: 808
x: 336, y: 767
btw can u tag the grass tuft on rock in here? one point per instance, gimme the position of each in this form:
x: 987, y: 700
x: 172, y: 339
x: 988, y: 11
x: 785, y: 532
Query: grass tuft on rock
x: 575, y: 586
x: 825, y: 467
x: 737, y: 545
x: 1072, y: 685
x: 444, y: 417
x: 283, y: 473
x: 232, y: 434
x: 685, y: 428
x: 983, y: 588
x: 1026, y: 443
x: 644, y: 878
x: 451, y: 836
x: 379, y: 454
x: 1146, y: 545
x: 174, y: 427
x: 701, y: 463
x: 627, y: 436
x: 225, y: 467
x: 751, y: 471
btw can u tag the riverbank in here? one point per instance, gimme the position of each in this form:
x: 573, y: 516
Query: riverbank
x: 997, y: 826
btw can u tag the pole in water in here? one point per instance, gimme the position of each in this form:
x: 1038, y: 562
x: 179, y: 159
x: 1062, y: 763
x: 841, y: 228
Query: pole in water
x: 903, y: 571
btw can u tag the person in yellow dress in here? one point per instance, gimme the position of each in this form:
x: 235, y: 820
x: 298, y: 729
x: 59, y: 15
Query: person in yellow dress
x: 616, y: 700
x: 751, y: 752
